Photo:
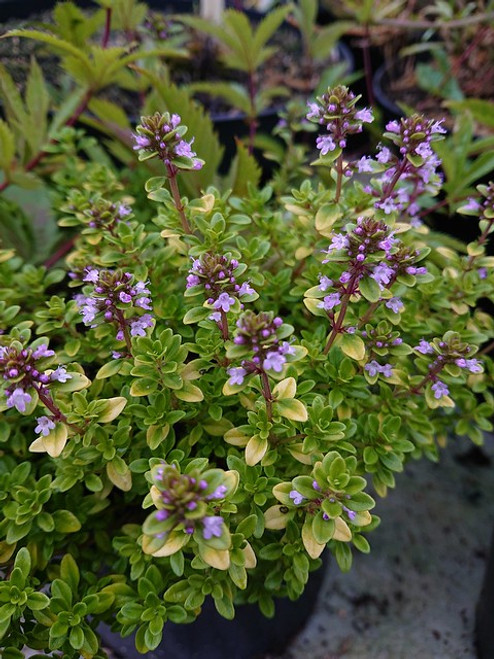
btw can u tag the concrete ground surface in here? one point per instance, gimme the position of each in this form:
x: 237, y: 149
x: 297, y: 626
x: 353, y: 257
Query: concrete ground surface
x: 414, y: 595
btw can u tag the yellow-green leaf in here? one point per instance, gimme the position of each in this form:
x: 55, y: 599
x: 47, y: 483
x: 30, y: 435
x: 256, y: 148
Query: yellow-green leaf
x: 292, y: 409
x: 255, y: 450
x: 287, y: 388
x: 113, y: 407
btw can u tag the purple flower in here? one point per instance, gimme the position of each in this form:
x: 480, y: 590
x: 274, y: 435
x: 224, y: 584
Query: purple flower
x: 386, y: 370
x: 42, y: 351
x: 286, y: 348
x: 60, y: 375
x: 296, y: 497
x: 472, y: 205
x: 351, y: 513
x: 125, y: 297
x: 18, y: 399
x: 141, y: 142
x: 245, y: 289
x: 92, y: 275
x: 384, y: 155
x: 439, y: 389
x: 472, y: 365
x: 424, y: 150
x: 213, y: 526
x: 314, y: 112
x: 224, y: 302
x: 382, y: 274
x: 192, y: 280
x: 183, y: 148
x: 437, y: 127
x: 393, y: 126
x: 237, y: 375
x: 482, y: 273
x: 325, y: 144
x: 364, y: 115
x: 324, y: 283
x: 424, y: 347
x: 138, y: 327
x: 373, y: 368
x: 215, y: 316
x: 274, y: 361
x: 161, y: 515
x: 395, y: 304
x: 388, y: 205
x: 338, y: 241
x: 219, y: 492
x: 143, y: 303
x: 45, y: 425
x: 364, y: 164
x: 330, y: 301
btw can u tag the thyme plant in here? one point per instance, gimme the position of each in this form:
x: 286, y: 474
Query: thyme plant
x: 200, y: 405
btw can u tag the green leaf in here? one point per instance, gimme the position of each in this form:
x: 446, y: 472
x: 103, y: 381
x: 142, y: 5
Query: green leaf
x: 66, y: 521
x: 23, y: 562
x: 69, y: 571
x: 195, y: 315
x: 113, y: 407
x: 353, y: 346
x: 7, y: 146
x: 143, y: 387
x: 370, y: 289
x: 292, y: 409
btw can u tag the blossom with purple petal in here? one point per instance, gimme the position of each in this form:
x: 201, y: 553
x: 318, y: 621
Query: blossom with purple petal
x: 364, y: 165
x: 18, y: 399
x: 274, y: 361
x: 224, y: 302
x: 330, y: 301
x: 138, y: 327
x: 373, y: 368
x: 364, y: 115
x: 42, y: 351
x: 325, y: 144
x: 45, y: 425
x: 213, y: 526
x: 424, y: 347
x: 60, y: 375
x: 296, y: 497
x: 472, y: 205
x: 472, y: 365
x: 324, y: 283
x: 384, y: 155
x: 395, y: 304
x: 245, y: 289
x: 440, y: 389
x: 386, y: 370
x: 382, y: 274
x: 237, y: 375
x: 219, y: 492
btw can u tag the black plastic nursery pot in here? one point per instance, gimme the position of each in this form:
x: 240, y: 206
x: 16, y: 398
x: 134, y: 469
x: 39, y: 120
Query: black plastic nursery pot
x: 484, y: 621
x: 249, y: 635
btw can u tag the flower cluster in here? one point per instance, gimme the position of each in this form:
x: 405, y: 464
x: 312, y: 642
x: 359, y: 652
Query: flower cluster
x: 483, y: 208
x: 367, y: 249
x: 186, y: 502
x: 451, y: 354
x: 258, y: 335
x: 161, y: 136
x: 217, y: 276
x: 27, y: 370
x: 414, y: 168
x: 336, y: 110
x: 115, y: 297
